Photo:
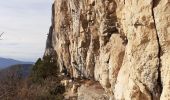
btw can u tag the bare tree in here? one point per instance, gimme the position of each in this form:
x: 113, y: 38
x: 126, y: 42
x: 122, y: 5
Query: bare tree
x: 1, y: 35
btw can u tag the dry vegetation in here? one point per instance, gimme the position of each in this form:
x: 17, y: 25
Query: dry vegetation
x: 42, y: 84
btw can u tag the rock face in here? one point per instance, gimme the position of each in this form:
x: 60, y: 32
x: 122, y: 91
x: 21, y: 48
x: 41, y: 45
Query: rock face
x: 94, y: 92
x: 123, y: 44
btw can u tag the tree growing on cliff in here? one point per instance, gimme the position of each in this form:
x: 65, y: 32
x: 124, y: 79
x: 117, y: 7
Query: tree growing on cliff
x: 45, y: 78
x: 43, y: 68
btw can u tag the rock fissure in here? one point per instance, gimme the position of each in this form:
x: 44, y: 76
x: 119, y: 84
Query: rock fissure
x: 159, y: 82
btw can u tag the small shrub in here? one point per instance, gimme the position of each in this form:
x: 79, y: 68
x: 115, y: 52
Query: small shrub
x: 59, y: 89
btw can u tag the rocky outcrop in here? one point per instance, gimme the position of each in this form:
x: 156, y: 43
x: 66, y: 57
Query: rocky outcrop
x: 91, y: 92
x: 122, y: 44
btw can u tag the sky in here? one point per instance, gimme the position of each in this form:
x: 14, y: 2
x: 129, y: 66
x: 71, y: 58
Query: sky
x: 25, y: 24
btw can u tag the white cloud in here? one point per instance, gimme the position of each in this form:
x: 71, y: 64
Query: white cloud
x: 25, y: 23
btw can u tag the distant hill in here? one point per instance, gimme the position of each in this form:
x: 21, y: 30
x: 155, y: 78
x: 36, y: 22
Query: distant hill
x: 6, y: 62
x: 11, y: 79
x: 22, y: 70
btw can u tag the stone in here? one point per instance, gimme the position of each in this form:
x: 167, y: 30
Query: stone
x: 124, y: 45
x: 92, y: 92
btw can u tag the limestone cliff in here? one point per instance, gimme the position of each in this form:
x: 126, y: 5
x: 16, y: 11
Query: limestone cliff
x: 123, y: 44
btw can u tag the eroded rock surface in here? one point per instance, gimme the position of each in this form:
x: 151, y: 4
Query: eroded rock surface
x: 123, y: 44
x: 92, y: 92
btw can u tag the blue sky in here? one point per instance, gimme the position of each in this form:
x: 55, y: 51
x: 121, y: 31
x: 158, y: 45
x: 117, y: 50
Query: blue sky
x: 26, y: 24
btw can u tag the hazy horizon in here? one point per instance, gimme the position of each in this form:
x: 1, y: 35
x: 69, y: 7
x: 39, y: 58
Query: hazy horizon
x: 25, y: 24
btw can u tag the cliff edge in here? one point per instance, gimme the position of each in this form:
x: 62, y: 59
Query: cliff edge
x: 123, y: 44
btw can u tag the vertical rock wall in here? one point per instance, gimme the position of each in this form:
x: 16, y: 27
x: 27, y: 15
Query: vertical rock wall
x: 161, y: 15
x: 123, y: 44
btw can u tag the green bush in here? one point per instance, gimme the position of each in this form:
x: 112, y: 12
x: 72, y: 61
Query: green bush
x: 43, y: 68
x: 45, y: 78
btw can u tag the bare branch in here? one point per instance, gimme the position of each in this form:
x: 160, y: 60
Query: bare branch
x: 1, y: 35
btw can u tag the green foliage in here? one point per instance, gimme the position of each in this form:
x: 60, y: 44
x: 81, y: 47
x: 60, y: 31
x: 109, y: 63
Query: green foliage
x: 45, y: 75
x: 44, y: 68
